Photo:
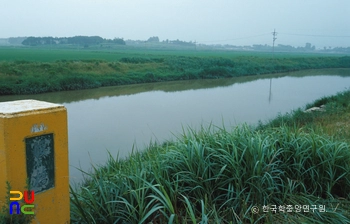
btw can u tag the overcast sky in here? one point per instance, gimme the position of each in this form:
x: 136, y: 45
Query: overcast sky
x: 237, y: 22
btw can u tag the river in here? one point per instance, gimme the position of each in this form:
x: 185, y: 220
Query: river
x: 122, y: 118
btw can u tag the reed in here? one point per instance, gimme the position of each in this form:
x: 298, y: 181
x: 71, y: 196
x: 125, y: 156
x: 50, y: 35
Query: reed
x: 214, y: 175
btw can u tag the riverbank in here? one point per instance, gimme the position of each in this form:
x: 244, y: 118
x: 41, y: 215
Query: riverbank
x: 221, y: 176
x: 27, y: 76
x: 330, y: 117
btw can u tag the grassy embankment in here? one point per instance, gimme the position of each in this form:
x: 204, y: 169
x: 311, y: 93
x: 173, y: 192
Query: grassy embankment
x: 216, y: 176
x: 30, y: 71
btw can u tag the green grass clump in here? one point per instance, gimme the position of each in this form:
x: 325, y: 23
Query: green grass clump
x: 216, y: 176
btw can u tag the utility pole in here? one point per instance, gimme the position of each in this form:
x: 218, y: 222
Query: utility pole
x: 274, y: 34
x: 270, y: 93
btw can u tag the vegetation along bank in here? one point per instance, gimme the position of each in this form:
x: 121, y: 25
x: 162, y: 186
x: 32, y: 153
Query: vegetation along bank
x: 35, y: 74
x: 215, y: 175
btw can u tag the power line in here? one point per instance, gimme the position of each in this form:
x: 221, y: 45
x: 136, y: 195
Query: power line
x: 240, y: 38
x: 274, y: 33
x: 311, y: 35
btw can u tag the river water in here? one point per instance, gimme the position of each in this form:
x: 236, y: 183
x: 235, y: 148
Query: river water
x: 118, y: 119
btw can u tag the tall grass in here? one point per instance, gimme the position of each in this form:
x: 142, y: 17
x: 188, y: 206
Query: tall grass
x: 216, y: 176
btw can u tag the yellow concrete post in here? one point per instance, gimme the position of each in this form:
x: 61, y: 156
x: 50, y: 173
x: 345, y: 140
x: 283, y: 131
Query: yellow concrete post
x: 34, y: 147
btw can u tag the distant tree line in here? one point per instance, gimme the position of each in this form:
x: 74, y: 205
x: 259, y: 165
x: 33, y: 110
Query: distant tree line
x: 155, y: 40
x: 180, y: 42
x: 76, y: 40
x: 86, y: 41
x: 16, y: 40
x: 281, y: 47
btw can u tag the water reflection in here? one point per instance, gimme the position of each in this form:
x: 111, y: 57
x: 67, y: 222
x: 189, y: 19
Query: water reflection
x: 118, y: 118
x: 79, y: 95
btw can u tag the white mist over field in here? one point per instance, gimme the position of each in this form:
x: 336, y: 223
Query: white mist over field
x: 322, y: 23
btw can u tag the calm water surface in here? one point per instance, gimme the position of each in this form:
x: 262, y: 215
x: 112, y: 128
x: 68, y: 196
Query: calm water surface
x: 120, y: 118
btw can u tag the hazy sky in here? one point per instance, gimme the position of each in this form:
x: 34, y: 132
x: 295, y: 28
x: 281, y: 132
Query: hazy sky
x: 237, y: 22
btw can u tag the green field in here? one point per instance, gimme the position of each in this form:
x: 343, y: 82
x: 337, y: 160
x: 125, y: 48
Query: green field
x: 45, y: 54
x: 51, y: 55
x: 38, y: 70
